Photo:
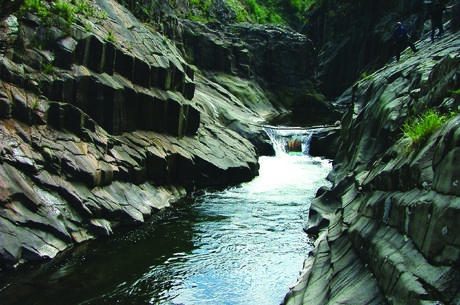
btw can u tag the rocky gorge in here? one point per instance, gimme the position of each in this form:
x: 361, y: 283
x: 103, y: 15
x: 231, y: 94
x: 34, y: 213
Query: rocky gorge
x: 106, y: 121
x: 105, y: 127
x: 386, y: 231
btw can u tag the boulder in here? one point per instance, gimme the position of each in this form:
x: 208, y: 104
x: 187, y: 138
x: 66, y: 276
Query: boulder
x: 324, y: 142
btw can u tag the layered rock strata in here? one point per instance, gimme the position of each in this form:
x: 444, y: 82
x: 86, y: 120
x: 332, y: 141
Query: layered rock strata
x: 104, y: 128
x: 354, y: 37
x: 281, y: 61
x: 387, y: 230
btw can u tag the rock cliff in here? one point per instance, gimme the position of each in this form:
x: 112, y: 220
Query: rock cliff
x: 103, y: 123
x: 279, y: 60
x: 387, y: 229
x: 354, y: 37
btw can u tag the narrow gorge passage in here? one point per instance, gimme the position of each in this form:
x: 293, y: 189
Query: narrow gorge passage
x: 241, y: 245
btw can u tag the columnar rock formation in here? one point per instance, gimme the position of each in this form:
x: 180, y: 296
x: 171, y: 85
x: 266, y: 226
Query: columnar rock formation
x: 280, y: 60
x: 354, y: 37
x: 388, y: 229
x: 103, y: 124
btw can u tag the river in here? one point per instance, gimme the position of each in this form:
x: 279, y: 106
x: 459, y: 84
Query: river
x: 241, y: 245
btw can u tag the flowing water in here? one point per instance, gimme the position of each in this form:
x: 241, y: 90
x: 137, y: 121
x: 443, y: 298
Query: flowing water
x: 242, y: 245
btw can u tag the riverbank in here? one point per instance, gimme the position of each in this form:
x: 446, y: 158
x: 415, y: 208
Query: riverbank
x: 387, y: 230
x: 238, y: 245
x: 101, y: 129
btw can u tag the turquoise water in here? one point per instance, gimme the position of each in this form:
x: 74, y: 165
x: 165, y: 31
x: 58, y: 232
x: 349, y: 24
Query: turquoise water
x: 241, y: 245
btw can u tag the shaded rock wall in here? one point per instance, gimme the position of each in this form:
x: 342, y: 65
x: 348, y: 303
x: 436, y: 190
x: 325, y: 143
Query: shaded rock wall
x: 108, y: 81
x: 387, y: 230
x: 279, y: 59
x: 275, y: 54
x: 354, y: 37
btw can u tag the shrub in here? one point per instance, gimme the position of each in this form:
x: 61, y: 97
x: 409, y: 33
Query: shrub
x: 65, y: 10
x: 110, y: 37
x: 419, y: 128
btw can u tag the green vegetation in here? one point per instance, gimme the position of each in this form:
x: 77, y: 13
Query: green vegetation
x: 419, y: 128
x: 259, y: 11
x: 35, y: 105
x: 47, y: 11
x: 364, y: 76
x: 83, y: 7
x: 65, y: 10
x: 38, y: 7
x: 256, y: 11
x: 110, y: 37
x: 48, y: 68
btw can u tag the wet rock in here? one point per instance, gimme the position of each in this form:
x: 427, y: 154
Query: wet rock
x: 294, y: 145
x: 324, y: 142
x: 345, y: 52
x: 281, y: 60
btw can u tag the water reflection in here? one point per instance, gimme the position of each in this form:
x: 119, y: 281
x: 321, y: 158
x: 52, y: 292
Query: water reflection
x: 243, y: 245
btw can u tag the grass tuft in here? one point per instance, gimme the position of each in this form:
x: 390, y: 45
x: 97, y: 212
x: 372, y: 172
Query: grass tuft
x: 419, y: 128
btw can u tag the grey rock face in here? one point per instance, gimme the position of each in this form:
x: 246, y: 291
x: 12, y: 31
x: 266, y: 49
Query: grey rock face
x: 96, y: 133
x: 387, y: 229
x: 281, y: 60
x: 354, y: 37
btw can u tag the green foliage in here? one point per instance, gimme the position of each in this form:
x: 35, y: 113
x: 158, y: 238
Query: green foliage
x: 37, y: 7
x: 257, y: 11
x: 149, y: 11
x: 364, y: 76
x: 83, y: 7
x: 65, y: 10
x: 48, y: 68
x: 47, y: 10
x: 419, y: 128
x: 35, y: 105
x: 203, y: 7
x: 110, y: 37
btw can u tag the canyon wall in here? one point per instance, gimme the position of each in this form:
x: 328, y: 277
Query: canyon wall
x: 103, y: 124
x: 387, y: 229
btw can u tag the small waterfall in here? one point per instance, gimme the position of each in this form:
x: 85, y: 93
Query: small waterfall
x: 292, y: 141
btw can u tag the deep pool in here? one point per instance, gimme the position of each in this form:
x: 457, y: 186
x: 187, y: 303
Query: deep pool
x: 242, y: 245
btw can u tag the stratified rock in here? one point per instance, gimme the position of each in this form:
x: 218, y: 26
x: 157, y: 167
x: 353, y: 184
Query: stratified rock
x: 345, y: 50
x: 387, y: 230
x: 107, y: 136
x: 281, y: 60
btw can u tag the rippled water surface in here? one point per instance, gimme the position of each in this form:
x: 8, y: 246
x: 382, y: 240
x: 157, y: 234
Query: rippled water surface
x: 243, y: 245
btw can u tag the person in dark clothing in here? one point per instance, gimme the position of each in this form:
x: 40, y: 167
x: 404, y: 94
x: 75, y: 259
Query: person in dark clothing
x: 436, y: 20
x: 401, y: 40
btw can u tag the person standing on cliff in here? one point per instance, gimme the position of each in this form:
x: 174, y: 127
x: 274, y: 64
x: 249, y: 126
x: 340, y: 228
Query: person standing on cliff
x: 401, y: 39
x: 436, y: 19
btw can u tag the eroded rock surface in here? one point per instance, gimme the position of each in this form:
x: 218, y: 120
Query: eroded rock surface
x: 104, y: 128
x: 388, y: 229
